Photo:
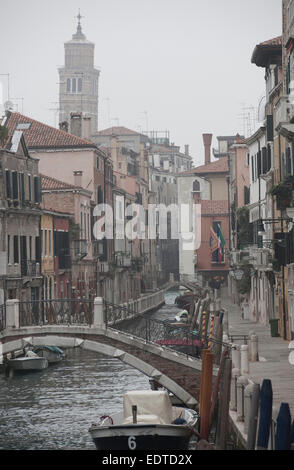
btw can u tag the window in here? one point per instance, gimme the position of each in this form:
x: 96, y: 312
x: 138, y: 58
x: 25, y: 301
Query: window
x: 97, y: 163
x: 14, y: 185
x: 37, y: 189
x: 259, y: 169
x: 288, y: 78
x: 45, y: 243
x: 29, y: 188
x: 74, y: 85
x: 99, y: 195
x: 15, y: 250
x: 38, y: 249
x: 269, y: 157
x: 196, y: 186
x: 252, y: 167
x: 264, y: 160
x: 8, y: 249
x: 288, y: 161
x: 21, y: 187
x: 8, y: 184
x: 30, y: 248
x: 49, y: 243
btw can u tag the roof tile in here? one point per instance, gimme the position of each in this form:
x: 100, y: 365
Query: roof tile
x: 40, y: 135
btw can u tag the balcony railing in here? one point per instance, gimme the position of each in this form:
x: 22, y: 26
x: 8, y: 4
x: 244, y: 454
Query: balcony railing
x: 284, y: 111
x: 29, y: 268
x: 80, y: 248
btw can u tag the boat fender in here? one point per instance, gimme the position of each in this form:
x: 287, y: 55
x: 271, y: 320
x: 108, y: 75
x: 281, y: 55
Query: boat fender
x: 104, y: 417
x: 179, y: 421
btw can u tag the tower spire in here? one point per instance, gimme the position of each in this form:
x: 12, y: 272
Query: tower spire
x: 79, y: 33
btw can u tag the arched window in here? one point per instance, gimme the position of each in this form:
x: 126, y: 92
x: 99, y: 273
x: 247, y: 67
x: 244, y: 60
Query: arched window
x: 68, y: 85
x: 196, y: 186
x: 74, y: 85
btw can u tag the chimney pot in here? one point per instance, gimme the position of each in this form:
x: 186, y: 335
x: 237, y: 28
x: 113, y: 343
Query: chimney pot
x: 76, y: 124
x: 78, y: 178
x: 207, y: 138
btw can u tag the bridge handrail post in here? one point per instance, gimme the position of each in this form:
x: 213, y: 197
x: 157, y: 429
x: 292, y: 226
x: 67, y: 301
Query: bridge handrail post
x: 98, y: 319
x: 12, y: 313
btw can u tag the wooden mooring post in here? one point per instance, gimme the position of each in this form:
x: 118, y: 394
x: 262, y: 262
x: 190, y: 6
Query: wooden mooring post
x: 223, y: 410
x: 205, y: 393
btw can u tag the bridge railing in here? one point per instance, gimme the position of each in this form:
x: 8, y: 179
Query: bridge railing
x: 163, y: 333
x: 56, y: 311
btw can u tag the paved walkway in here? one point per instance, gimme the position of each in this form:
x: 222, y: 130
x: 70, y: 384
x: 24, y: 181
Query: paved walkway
x: 273, y: 355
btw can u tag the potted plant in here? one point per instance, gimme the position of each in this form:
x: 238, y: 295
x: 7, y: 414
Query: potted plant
x: 283, y: 192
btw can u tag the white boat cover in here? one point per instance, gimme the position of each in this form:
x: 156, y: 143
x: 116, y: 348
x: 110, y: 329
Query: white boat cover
x: 149, y: 402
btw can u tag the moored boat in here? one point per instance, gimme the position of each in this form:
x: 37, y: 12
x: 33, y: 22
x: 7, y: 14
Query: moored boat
x: 53, y: 354
x: 148, y: 422
x: 182, y: 316
x: 29, y: 362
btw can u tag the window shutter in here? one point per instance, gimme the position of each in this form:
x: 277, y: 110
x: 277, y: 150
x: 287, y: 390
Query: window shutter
x: 14, y: 185
x: 258, y: 163
x: 269, y: 128
x: 264, y: 160
x: 8, y: 184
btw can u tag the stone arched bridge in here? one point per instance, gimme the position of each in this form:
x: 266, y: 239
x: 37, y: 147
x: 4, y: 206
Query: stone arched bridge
x: 177, y: 372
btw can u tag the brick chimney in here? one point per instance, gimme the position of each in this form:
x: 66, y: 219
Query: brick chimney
x: 86, y: 127
x: 78, y: 178
x: 186, y: 149
x: 76, y: 124
x: 207, y: 138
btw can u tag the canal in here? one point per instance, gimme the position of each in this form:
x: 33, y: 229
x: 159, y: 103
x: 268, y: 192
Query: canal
x: 54, y: 409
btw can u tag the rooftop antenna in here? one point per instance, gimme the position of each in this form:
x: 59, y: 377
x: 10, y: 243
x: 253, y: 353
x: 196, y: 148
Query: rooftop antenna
x: 19, y: 99
x: 146, y: 120
x: 108, y: 111
x: 56, y: 110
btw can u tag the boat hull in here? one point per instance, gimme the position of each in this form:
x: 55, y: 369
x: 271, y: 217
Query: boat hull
x: 152, y: 437
x: 28, y: 363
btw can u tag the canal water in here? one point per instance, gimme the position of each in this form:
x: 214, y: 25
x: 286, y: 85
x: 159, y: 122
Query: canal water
x: 53, y: 409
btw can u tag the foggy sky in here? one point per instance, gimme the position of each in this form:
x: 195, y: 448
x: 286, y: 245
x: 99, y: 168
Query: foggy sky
x: 177, y: 65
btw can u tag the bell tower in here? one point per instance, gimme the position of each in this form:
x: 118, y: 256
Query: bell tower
x: 78, y: 79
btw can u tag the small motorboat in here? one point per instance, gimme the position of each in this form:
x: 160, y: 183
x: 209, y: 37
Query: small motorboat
x: 182, y: 316
x: 173, y: 398
x: 29, y: 362
x: 148, y: 422
x: 53, y: 354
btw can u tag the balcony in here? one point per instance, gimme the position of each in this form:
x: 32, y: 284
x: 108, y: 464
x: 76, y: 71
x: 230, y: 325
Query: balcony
x: 29, y: 268
x: 284, y: 111
x: 80, y: 248
x: 103, y: 267
x: 123, y: 260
